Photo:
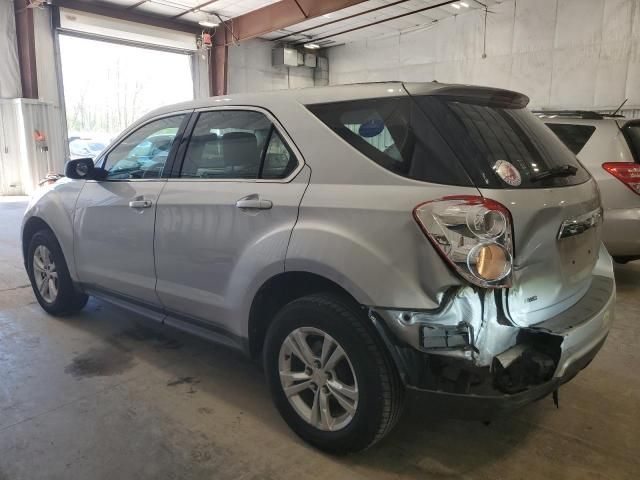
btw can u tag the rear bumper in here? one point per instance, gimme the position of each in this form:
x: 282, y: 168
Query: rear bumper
x: 621, y: 232
x: 555, y: 351
x: 482, y: 407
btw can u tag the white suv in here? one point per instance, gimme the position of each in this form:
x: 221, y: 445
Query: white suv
x: 364, y: 240
x: 609, y: 146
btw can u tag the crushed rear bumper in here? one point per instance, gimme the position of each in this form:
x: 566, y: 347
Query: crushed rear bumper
x: 542, y: 357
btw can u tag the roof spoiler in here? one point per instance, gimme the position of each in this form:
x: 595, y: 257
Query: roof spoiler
x: 492, y: 97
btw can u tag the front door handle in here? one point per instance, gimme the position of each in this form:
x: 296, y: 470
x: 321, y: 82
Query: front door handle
x: 254, y: 203
x: 140, y: 203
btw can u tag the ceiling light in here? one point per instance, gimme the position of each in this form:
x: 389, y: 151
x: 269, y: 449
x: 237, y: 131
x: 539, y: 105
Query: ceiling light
x: 311, y: 46
x: 464, y: 4
x: 327, y: 15
x: 456, y: 6
x: 208, y: 23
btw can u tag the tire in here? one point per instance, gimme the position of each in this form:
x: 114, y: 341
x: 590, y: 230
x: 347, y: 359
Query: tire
x: 379, y: 398
x: 64, y: 299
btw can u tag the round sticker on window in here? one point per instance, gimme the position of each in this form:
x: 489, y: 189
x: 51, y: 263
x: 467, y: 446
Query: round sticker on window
x: 508, y: 173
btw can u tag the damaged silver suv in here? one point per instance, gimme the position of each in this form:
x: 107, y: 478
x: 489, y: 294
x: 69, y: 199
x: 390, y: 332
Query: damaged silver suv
x: 364, y: 241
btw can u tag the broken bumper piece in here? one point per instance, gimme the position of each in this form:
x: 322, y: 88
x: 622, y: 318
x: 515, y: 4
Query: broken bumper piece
x: 502, y: 367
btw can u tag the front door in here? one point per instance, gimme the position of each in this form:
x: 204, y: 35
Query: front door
x: 224, y: 220
x: 115, y: 217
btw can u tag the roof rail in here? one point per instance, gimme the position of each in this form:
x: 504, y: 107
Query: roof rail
x: 585, y: 114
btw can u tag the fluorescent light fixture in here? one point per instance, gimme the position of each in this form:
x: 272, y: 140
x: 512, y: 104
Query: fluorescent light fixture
x: 208, y: 23
x: 464, y: 4
x: 456, y: 6
x: 311, y: 46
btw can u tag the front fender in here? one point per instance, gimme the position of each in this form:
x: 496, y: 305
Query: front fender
x: 54, y: 205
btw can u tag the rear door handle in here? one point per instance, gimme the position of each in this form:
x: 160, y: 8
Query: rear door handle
x: 254, y: 203
x: 140, y: 203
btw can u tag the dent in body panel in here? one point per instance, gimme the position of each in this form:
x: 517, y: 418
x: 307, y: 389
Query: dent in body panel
x: 55, y: 205
x: 549, y: 274
x: 365, y: 239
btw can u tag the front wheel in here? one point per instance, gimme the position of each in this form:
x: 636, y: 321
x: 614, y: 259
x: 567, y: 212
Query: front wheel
x: 50, y: 277
x: 329, y: 375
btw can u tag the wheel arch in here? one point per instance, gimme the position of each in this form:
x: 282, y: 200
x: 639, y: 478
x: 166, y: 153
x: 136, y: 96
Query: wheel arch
x: 279, y: 290
x: 31, y: 226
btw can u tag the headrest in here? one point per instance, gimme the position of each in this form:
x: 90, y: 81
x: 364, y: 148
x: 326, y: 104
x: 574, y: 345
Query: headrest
x: 240, y: 149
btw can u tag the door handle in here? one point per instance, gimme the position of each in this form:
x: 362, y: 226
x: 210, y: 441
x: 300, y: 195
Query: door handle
x: 140, y: 203
x: 255, y: 203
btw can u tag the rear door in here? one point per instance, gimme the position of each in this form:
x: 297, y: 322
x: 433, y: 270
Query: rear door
x: 225, y: 217
x: 556, y: 219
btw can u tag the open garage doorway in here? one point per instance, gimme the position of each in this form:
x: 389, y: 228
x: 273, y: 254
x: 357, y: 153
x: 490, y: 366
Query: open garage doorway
x: 107, y: 86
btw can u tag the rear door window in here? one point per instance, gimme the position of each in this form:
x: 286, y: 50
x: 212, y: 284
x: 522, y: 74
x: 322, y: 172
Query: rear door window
x: 575, y: 137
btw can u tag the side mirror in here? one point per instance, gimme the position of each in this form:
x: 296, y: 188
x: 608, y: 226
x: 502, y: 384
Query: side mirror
x: 83, y: 169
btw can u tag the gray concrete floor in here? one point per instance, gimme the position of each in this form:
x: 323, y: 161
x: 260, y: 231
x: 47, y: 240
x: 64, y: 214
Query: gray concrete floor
x: 108, y: 395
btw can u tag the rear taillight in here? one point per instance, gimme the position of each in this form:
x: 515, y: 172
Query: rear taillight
x: 473, y: 234
x: 627, y: 172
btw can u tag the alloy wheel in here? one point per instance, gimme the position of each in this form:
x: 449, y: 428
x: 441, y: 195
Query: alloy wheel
x: 45, y: 274
x: 318, y: 379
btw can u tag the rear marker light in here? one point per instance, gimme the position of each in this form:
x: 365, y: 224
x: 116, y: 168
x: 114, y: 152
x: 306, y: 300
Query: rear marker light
x: 627, y: 172
x: 473, y: 234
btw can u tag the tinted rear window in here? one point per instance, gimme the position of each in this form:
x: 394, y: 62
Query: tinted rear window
x: 397, y: 135
x: 575, y: 137
x: 632, y: 133
x: 455, y: 141
x: 500, y: 146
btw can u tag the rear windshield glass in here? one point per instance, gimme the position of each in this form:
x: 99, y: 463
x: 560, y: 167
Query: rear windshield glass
x: 573, y: 136
x: 396, y: 134
x: 632, y: 132
x: 447, y: 140
x: 503, y: 147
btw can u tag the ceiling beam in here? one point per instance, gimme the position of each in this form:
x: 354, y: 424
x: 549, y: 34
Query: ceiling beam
x: 378, y: 22
x: 128, y: 15
x: 282, y: 14
x: 195, y: 9
x: 25, y: 37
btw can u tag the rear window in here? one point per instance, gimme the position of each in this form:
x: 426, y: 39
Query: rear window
x: 501, y: 146
x: 632, y: 133
x: 452, y: 140
x: 397, y: 135
x: 575, y: 137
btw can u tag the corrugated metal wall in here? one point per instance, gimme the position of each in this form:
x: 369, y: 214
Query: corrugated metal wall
x: 561, y: 53
x: 9, y: 70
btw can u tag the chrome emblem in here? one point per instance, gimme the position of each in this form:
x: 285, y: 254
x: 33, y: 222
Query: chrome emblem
x: 580, y: 224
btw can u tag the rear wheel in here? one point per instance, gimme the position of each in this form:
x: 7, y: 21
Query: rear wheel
x: 329, y: 375
x: 49, y: 275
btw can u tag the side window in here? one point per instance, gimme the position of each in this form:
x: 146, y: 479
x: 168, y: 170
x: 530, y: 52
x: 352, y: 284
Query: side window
x: 279, y: 161
x: 573, y: 136
x: 144, y: 153
x: 226, y: 144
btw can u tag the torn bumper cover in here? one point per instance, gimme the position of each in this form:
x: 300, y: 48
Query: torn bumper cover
x: 488, y: 365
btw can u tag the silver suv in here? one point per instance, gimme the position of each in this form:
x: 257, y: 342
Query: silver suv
x: 609, y: 147
x: 365, y: 241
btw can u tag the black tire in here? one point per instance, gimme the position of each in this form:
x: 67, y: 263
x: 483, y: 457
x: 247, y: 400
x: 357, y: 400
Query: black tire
x: 68, y: 299
x: 381, y: 393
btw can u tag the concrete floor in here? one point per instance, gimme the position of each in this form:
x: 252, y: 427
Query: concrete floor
x: 108, y: 395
